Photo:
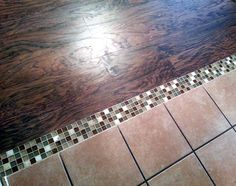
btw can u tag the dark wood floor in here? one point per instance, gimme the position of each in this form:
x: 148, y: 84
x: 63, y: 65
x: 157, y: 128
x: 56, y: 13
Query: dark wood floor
x: 61, y: 60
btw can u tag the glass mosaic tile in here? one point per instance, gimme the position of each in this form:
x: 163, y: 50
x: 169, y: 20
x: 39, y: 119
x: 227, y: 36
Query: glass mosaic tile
x: 38, y: 149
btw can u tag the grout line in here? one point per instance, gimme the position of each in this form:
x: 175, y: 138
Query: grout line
x: 133, y: 156
x: 214, y: 138
x: 142, y: 102
x: 64, y: 166
x: 190, y: 146
x: 185, y: 156
x: 170, y: 165
x: 142, y: 183
x: 219, y: 108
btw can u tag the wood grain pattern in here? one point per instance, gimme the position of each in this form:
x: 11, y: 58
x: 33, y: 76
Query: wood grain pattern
x: 61, y: 60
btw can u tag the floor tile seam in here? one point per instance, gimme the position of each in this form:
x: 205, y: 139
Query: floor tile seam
x: 132, y: 155
x: 208, y: 93
x: 65, y: 169
x: 164, y: 169
x: 190, y: 145
x: 5, y: 179
x: 59, y: 153
x: 214, y: 138
x: 187, y: 155
x: 169, y: 166
x: 223, y: 66
x: 194, y: 150
x: 142, y: 183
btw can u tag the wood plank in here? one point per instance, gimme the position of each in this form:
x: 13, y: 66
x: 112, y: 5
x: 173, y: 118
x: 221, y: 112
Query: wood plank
x: 64, y: 60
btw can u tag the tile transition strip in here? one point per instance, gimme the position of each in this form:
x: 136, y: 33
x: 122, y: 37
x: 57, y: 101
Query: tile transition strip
x: 38, y: 149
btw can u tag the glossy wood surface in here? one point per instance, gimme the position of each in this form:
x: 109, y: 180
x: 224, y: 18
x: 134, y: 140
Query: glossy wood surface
x: 62, y: 60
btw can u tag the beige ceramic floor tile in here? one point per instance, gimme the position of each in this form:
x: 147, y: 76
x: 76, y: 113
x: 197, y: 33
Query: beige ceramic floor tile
x: 197, y: 116
x: 223, y: 91
x: 219, y: 158
x: 144, y: 184
x: 102, y: 160
x: 188, y: 172
x: 154, y: 140
x: 48, y: 172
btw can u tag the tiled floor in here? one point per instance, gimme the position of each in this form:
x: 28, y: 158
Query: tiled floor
x: 154, y: 140
x: 36, y: 150
x: 197, y: 116
x: 219, y: 158
x: 48, y: 172
x: 186, y: 172
x: 102, y: 160
x: 223, y: 92
x: 190, y: 140
x: 64, y: 60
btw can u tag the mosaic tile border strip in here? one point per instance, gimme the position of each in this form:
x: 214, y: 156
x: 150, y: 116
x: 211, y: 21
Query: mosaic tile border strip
x: 38, y: 149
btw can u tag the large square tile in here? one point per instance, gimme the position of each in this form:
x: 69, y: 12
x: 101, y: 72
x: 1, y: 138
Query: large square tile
x: 223, y: 91
x: 48, y: 172
x: 219, y: 158
x: 185, y: 173
x: 154, y: 140
x: 102, y: 160
x: 197, y: 116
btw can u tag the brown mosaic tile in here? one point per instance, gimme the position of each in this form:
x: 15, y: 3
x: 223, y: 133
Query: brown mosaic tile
x: 85, y: 128
x: 185, y: 173
x: 197, y: 116
x: 48, y: 172
x: 223, y: 91
x: 102, y: 160
x: 219, y: 158
x: 154, y: 140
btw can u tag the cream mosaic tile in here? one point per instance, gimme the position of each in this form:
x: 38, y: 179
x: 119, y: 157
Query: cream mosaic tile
x: 38, y: 149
